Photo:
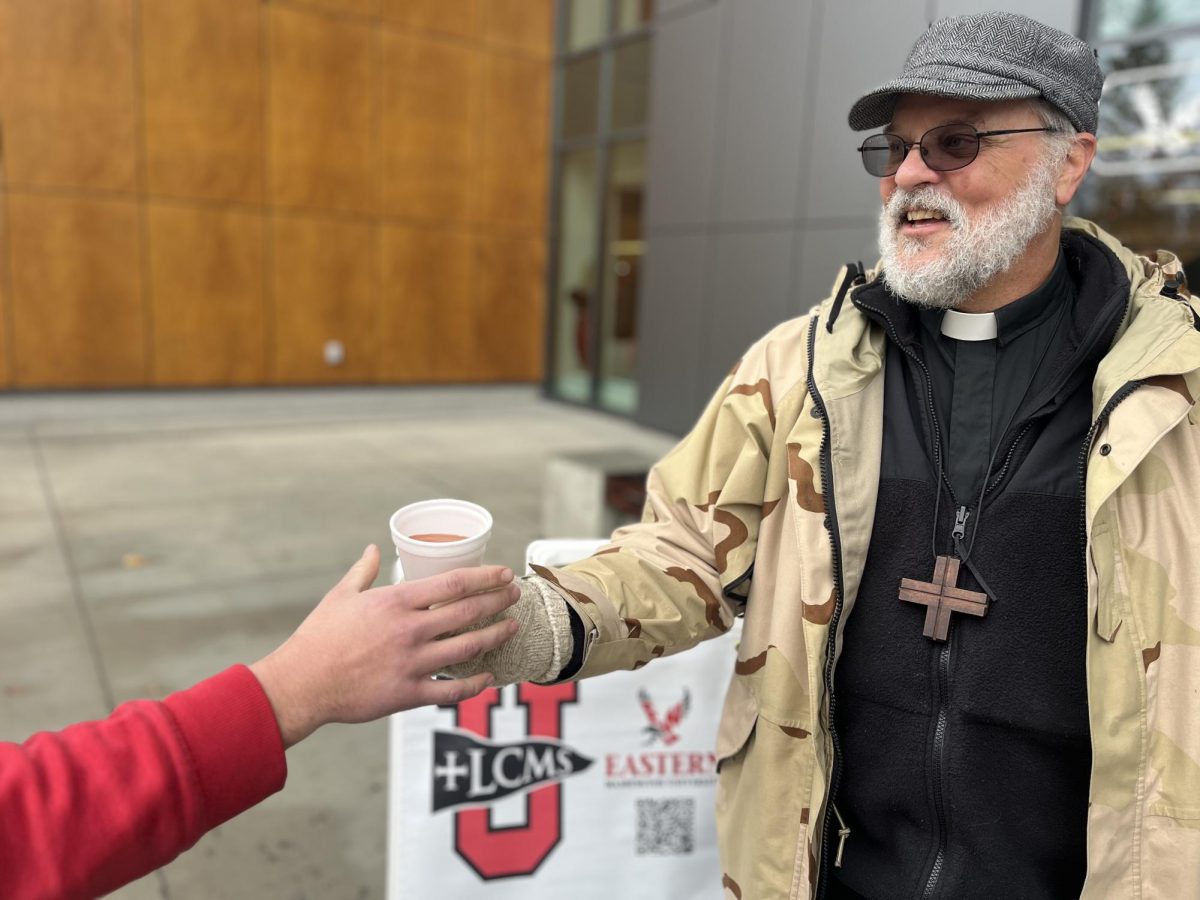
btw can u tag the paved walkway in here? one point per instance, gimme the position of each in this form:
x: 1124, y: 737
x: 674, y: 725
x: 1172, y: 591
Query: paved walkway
x: 148, y: 540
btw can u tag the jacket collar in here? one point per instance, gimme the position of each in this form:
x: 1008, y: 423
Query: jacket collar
x: 1148, y: 334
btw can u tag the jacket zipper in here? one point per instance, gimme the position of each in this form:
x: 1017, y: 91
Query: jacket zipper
x: 938, y: 758
x: 1008, y: 458
x: 961, y: 515
x: 835, y: 767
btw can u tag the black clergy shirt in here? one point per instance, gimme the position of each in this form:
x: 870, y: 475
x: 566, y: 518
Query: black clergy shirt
x: 979, y: 385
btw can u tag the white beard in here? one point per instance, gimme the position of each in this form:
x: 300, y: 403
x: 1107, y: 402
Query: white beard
x: 978, y: 249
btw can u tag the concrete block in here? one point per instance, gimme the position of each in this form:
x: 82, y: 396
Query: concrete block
x: 580, y: 487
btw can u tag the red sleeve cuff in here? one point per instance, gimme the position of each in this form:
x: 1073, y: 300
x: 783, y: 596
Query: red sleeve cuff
x: 230, y: 730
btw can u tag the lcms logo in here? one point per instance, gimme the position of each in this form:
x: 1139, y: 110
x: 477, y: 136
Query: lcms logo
x: 468, y: 770
x: 475, y: 771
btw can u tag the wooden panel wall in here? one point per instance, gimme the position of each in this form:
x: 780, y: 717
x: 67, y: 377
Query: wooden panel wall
x: 206, y: 192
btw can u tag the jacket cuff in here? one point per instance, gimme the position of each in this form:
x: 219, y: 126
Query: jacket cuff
x: 231, y: 733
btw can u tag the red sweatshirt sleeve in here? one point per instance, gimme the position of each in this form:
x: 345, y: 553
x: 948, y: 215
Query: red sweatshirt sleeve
x: 96, y: 805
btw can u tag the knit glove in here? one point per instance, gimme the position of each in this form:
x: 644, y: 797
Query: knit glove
x: 541, y: 647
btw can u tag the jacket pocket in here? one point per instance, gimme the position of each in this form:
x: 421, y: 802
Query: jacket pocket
x: 1170, y: 848
x: 764, y: 771
x: 737, y: 720
x: 1104, y: 558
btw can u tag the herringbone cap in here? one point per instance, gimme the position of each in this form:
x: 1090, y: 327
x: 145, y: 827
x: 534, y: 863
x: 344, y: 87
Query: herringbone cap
x: 993, y: 56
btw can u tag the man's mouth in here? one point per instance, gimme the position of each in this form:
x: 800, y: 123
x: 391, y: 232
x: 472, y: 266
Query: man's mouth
x: 919, y: 220
x: 923, y: 215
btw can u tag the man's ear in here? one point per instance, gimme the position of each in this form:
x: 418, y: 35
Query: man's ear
x: 1079, y: 160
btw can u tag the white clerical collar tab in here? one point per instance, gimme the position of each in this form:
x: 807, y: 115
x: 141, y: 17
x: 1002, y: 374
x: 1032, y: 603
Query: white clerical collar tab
x: 969, y: 326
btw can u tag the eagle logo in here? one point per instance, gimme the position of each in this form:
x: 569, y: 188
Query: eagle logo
x: 663, y: 729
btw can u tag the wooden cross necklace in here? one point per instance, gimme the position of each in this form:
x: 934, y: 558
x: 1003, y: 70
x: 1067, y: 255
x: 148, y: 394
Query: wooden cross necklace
x: 942, y: 596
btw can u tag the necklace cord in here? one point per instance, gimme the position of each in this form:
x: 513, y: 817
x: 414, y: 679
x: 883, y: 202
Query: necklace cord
x: 1004, y: 431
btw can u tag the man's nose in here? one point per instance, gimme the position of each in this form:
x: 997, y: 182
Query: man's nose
x: 914, y: 172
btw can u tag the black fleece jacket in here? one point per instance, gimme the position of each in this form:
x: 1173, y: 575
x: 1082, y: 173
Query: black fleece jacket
x: 965, y: 764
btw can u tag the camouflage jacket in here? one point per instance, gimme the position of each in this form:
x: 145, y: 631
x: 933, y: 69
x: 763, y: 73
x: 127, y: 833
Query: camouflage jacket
x: 766, y: 508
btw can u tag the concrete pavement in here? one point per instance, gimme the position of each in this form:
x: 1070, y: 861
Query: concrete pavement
x: 148, y: 540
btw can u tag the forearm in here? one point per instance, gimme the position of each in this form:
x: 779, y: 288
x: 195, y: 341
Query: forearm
x: 98, y: 804
x: 288, y: 692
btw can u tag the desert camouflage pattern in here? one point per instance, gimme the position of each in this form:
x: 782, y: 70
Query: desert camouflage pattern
x: 738, y: 521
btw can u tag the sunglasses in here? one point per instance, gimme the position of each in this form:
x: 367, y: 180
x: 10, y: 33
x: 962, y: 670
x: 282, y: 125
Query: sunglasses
x: 943, y: 149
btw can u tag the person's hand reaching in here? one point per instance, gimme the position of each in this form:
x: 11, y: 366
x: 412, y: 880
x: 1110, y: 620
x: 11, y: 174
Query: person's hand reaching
x: 364, y: 653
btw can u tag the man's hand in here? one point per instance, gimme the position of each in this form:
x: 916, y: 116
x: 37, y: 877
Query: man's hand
x: 362, y: 654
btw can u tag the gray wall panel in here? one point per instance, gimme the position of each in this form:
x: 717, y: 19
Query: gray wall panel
x: 764, y: 99
x: 820, y: 253
x: 863, y: 44
x: 749, y: 127
x: 1062, y: 14
x: 683, y: 118
x: 671, y: 331
x: 751, y: 286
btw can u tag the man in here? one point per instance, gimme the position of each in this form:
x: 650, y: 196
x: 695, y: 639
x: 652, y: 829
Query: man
x: 955, y: 504
x: 89, y: 808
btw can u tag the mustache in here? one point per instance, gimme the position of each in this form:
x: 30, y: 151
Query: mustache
x: 924, y: 198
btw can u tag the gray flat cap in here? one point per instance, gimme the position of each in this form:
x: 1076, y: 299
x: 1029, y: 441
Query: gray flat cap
x: 993, y: 56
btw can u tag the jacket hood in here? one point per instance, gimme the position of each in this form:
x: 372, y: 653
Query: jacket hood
x: 1158, y: 335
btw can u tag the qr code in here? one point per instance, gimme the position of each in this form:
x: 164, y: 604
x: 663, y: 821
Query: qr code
x: 666, y: 827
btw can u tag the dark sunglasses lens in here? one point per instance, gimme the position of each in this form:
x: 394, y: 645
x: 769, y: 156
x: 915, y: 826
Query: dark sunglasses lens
x: 950, y: 147
x: 882, y: 154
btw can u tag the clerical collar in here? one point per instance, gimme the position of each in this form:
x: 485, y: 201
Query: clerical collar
x: 1011, y: 320
x: 969, y: 326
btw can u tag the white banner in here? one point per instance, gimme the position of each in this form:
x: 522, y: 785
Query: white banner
x: 604, y: 788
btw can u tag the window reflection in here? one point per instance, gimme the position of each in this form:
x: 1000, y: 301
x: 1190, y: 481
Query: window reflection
x: 633, y: 14
x: 587, y: 22
x: 576, y: 275
x: 624, y: 248
x: 1115, y: 19
x: 581, y: 96
x: 1145, y: 182
x: 631, y: 79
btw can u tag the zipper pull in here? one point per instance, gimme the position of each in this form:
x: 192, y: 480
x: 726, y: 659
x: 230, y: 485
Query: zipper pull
x: 960, y: 522
x: 843, y: 833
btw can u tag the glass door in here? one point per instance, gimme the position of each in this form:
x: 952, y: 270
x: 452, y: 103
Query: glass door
x: 601, y: 88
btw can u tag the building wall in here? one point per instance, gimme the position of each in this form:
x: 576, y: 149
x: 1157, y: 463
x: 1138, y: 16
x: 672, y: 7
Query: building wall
x: 204, y: 192
x: 755, y: 194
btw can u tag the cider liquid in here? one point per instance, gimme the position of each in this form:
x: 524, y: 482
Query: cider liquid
x: 438, y: 538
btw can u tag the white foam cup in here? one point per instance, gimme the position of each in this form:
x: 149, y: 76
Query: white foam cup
x: 420, y: 559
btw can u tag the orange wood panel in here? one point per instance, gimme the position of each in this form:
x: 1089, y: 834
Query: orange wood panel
x: 321, y: 107
x: 67, y: 93
x: 510, y: 189
x: 514, y: 143
x: 5, y: 299
x: 459, y: 18
x: 5, y: 365
x: 203, y: 98
x: 347, y: 7
x: 77, y: 294
x: 525, y: 25
x: 324, y: 282
x: 509, y: 310
x: 429, y: 122
x: 206, y: 278
x: 426, y: 316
